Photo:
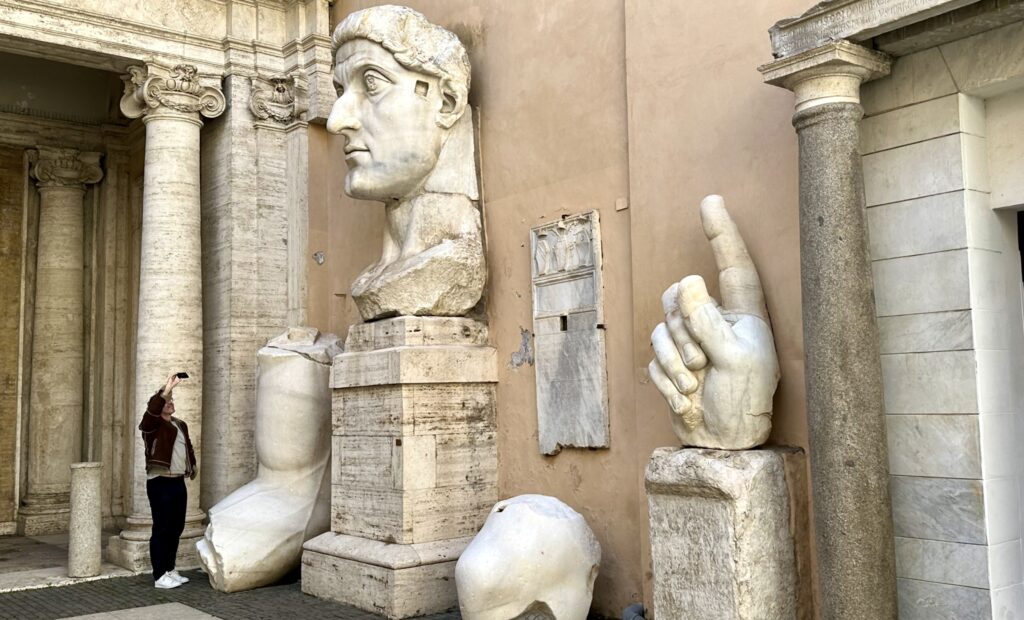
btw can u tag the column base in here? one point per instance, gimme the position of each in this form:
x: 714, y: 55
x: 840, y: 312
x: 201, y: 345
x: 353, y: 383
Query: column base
x: 723, y: 544
x: 395, y: 581
x: 38, y: 524
x: 134, y: 554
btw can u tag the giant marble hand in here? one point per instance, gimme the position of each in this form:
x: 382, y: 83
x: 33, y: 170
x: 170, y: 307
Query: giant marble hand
x: 408, y: 139
x: 716, y: 365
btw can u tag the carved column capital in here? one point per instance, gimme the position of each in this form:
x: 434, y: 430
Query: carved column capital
x: 153, y: 87
x: 65, y: 167
x: 831, y: 73
x: 282, y: 98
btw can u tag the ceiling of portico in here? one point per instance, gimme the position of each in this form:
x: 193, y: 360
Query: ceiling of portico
x: 55, y: 90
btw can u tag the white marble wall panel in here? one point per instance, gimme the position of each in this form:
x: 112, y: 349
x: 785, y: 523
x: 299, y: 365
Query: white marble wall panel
x: 921, y: 445
x: 943, y: 562
x: 996, y: 382
x: 1005, y: 148
x: 1000, y: 445
x: 923, y: 283
x: 946, y: 509
x: 914, y: 170
x: 989, y: 329
x: 983, y: 230
x: 913, y: 79
x: 924, y: 383
x: 1002, y: 510
x: 919, y: 226
x: 1005, y: 564
x: 930, y: 119
x: 989, y: 63
x: 1008, y: 602
x: 925, y: 600
x: 924, y: 333
x: 988, y: 286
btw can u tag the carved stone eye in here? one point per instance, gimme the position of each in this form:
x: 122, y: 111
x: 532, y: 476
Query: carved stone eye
x: 372, y: 83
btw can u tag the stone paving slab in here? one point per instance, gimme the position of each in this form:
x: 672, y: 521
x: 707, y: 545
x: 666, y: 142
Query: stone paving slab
x: 118, y: 594
x: 167, y: 611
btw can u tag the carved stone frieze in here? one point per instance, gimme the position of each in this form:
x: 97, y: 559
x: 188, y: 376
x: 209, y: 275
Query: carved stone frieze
x: 181, y: 88
x: 65, y: 167
x: 281, y: 98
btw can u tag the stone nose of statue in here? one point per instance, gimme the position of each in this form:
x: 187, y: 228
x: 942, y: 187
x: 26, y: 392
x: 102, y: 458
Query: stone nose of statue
x: 341, y: 118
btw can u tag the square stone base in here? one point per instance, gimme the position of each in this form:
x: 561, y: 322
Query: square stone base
x: 395, y: 581
x: 43, y: 523
x: 134, y: 554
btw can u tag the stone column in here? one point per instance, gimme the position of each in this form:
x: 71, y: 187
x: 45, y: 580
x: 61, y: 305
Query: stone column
x: 85, y: 532
x: 55, y: 414
x: 170, y: 310
x: 849, y: 460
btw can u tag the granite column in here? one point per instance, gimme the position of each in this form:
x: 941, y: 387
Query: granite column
x: 55, y: 414
x: 170, y: 312
x: 849, y: 460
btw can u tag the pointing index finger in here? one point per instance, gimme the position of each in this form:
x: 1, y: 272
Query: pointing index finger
x: 738, y: 281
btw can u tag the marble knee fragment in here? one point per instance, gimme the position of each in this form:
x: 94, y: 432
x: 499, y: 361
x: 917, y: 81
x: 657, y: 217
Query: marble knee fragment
x: 535, y: 558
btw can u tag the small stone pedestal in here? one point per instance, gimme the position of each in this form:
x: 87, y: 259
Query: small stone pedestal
x: 722, y: 543
x: 85, y: 534
x: 414, y: 464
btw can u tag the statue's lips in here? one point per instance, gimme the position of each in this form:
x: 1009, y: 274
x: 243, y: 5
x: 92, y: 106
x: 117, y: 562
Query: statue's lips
x: 351, y: 153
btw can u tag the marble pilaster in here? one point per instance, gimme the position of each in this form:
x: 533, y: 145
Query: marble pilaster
x: 849, y: 462
x: 171, y: 102
x: 55, y: 415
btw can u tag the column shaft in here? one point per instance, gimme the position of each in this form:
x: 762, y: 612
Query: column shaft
x: 56, y: 391
x: 849, y: 462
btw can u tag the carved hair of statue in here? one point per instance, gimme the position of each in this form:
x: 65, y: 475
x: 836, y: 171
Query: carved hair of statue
x: 417, y: 45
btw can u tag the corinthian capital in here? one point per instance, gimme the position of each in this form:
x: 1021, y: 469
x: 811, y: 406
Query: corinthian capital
x: 281, y: 98
x: 181, y: 88
x: 65, y: 167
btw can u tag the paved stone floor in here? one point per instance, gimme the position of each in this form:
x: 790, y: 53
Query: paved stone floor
x: 125, y: 598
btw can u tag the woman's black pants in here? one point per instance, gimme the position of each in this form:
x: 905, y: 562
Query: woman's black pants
x: 167, y: 498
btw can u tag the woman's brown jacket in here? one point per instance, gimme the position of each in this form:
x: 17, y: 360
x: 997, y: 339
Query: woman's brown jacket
x: 159, y: 435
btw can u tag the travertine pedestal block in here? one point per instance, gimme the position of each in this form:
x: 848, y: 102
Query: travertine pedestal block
x: 85, y: 533
x: 721, y: 539
x: 414, y: 464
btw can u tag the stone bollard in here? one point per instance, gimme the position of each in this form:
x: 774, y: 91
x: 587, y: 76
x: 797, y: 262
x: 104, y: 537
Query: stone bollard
x: 86, y: 525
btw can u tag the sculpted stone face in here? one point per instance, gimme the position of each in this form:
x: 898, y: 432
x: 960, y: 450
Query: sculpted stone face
x: 389, y: 116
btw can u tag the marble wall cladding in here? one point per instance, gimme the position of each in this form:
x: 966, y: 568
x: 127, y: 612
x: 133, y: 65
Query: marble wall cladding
x: 987, y: 63
x: 1005, y: 564
x: 929, y: 383
x: 915, y: 170
x: 1002, y: 510
x: 927, y: 120
x: 1008, y: 602
x: 952, y: 563
x: 945, y: 509
x: 921, y: 445
x: 925, y: 333
x: 924, y: 283
x: 1005, y: 150
x: 914, y: 78
x: 1000, y: 445
x: 925, y: 600
x: 919, y: 226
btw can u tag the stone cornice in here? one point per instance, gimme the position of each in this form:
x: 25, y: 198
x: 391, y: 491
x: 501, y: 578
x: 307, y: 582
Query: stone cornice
x: 179, y: 88
x: 855, y: 20
x: 65, y: 167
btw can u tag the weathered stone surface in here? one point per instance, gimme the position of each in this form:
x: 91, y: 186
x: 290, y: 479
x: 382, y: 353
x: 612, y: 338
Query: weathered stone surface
x: 721, y: 539
x: 415, y: 331
x: 396, y: 581
x: 413, y: 151
x: 717, y: 366
x: 256, y: 533
x: 568, y: 325
x: 85, y: 530
x: 832, y: 20
x: 169, y: 334
x: 534, y: 553
x: 56, y: 412
x: 405, y: 365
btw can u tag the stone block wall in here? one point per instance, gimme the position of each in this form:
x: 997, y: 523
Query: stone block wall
x: 947, y: 288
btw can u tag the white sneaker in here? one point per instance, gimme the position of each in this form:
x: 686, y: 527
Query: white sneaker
x: 178, y: 577
x: 166, y: 582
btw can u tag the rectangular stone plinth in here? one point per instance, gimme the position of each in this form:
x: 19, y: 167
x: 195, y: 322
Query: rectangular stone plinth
x: 414, y: 463
x: 134, y: 554
x: 722, y: 539
x: 43, y: 523
x: 395, y: 581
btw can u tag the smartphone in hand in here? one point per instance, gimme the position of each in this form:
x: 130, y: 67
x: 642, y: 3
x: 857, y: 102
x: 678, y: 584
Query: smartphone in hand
x: 182, y: 375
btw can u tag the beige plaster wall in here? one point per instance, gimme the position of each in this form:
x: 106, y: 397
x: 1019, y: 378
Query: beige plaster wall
x: 561, y: 133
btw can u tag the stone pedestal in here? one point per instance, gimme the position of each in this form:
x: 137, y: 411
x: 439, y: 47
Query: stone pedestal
x: 85, y: 533
x: 722, y: 543
x: 169, y: 337
x: 55, y: 414
x: 414, y: 464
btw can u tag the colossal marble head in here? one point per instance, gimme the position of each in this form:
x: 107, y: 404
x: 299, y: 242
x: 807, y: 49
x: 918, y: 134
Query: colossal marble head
x: 402, y: 85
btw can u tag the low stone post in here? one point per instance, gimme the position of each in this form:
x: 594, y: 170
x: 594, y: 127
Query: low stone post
x: 85, y: 532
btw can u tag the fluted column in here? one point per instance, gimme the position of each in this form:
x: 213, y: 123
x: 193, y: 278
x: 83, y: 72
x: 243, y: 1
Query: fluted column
x: 846, y: 417
x: 171, y: 102
x: 55, y: 414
